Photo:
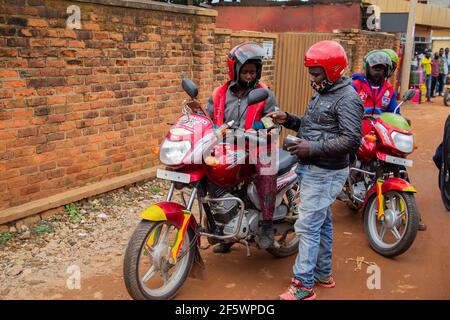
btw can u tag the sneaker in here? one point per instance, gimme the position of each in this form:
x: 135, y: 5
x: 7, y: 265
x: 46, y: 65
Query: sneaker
x: 327, y: 282
x: 297, y: 292
x: 267, y: 236
x: 223, y: 248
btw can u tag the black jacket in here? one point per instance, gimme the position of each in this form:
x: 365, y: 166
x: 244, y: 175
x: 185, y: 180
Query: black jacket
x: 332, y: 125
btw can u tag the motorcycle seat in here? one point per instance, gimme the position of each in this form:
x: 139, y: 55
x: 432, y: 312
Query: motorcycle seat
x: 285, y: 161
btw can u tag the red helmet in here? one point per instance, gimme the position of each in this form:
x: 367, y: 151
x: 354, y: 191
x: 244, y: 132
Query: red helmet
x: 329, y: 55
x: 241, y: 54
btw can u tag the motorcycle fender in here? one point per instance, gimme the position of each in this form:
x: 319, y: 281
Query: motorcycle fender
x: 389, y: 184
x: 168, y: 211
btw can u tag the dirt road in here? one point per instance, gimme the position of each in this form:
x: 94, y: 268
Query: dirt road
x: 420, y: 273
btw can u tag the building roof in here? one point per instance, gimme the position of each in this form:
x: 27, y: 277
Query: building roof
x: 426, y: 14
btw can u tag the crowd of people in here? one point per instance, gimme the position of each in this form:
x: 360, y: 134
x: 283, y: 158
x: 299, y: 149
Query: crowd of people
x: 436, y: 67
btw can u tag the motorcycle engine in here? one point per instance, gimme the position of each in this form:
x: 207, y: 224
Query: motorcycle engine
x: 359, y: 190
x: 230, y: 227
x: 223, y: 211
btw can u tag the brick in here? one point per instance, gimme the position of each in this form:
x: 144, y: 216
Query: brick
x: 17, y: 21
x: 8, y: 74
x: 42, y: 111
x: 90, y: 115
x: 37, y: 23
x: 56, y: 118
x: 48, y: 166
x: 45, y: 148
x: 27, y: 132
x: 55, y: 136
x: 30, y: 189
x: 28, y: 170
x: 14, y: 84
x: 74, y: 169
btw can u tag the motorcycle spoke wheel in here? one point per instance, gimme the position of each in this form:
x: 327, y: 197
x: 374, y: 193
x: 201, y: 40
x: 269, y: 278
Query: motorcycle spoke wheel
x: 395, y: 232
x: 155, y: 277
x: 389, y: 232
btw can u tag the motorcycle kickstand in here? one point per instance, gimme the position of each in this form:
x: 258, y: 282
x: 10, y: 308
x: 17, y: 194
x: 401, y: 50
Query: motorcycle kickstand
x: 247, y: 246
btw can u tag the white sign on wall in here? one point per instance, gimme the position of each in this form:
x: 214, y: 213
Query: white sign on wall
x: 268, y: 48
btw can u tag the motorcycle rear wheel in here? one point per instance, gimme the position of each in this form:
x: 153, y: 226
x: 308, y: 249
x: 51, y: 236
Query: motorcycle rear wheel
x: 145, y: 258
x: 401, y: 223
x: 289, y: 240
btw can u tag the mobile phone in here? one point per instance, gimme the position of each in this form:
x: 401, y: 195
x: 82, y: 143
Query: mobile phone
x: 290, y: 139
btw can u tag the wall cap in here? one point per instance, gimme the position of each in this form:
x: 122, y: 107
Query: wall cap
x: 155, y: 5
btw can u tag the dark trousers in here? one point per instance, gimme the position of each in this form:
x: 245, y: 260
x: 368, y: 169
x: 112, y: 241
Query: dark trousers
x: 441, y: 80
x: 434, y: 81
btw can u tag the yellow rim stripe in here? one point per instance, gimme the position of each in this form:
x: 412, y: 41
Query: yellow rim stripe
x: 380, y: 198
x: 180, y: 236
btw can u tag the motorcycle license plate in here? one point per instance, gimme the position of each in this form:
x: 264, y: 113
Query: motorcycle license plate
x: 399, y: 161
x: 173, y: 176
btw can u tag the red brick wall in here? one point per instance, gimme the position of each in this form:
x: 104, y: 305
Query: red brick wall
x: 79, y: 106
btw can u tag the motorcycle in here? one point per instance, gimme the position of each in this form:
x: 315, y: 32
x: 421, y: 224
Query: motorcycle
x: 165, y: 246
x: 378, y: 183
x: 444, y: 171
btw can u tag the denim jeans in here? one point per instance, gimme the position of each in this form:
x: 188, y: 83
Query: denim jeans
x: 314, y: 226
x: 428, y: 84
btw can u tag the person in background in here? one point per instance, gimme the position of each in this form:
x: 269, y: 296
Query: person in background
x: 447, y: 57
x: 426, y: 63
x: 443, y: 71
x: 435, y: 64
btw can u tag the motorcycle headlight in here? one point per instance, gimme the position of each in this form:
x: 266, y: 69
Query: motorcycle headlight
x: 403, y: 142
x: 173, y: 152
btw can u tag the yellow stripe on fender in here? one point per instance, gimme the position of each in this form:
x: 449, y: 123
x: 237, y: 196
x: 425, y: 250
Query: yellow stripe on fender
x: 380, y: 198
x: 409, y: 189
x: 180, y: 237
x: 153, y: 213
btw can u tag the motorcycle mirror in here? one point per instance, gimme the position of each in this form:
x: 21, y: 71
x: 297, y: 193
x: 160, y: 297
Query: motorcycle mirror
x: 190, y: 88
x: 257, y: 95
x: 408, y: 95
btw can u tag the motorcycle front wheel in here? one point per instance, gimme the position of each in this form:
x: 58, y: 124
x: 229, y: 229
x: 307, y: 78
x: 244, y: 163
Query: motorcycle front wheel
x: 148, y: 274
x: 447, y: 97
x: 396, y: 232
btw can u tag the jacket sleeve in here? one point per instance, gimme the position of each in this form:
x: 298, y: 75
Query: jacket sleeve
x: 393, y: 104
x: 349, y: 113
x: 271, y: 104
x: 292, y: 122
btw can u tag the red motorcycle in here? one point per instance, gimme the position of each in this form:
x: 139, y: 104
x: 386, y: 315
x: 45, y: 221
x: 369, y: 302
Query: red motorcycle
x: 165, y: 247
x: 378, y: 183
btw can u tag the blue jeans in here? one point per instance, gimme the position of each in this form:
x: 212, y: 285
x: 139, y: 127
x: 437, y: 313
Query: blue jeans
x: 428, y: 84
x: 314, y: 226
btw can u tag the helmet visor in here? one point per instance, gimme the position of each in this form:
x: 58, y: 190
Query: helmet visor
x: 249, y: 51
x: 378, y: 58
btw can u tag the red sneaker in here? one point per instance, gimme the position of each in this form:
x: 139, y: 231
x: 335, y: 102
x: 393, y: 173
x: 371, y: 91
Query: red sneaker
x: 327, y: 282
x: 297, y: 292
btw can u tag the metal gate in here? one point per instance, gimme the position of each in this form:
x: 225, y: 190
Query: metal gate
x: 291, y: 86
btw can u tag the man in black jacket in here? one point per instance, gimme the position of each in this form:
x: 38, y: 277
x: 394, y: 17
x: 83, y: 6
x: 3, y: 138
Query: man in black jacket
x: 329, y: 131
